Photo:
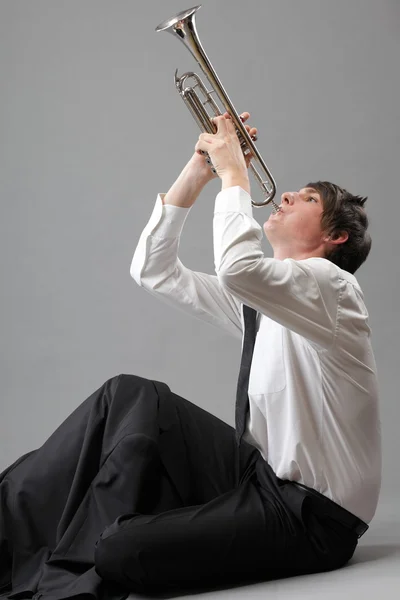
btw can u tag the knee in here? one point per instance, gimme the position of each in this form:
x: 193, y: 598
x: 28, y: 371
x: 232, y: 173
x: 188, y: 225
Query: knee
x: 126, y: 382
x: 127, y: 377
x: 118, y: 559
x: 110, y: 566
x: 132, y: 380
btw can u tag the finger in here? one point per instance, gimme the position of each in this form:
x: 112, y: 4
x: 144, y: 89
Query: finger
x: 251, y: 130
x: 206, y: 137
x: 203, y: 144
x: 221, y: 123
x: 244, y: 116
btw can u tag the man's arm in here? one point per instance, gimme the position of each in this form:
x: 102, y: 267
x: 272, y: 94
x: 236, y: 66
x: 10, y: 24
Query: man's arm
x: 302, y: 295
x: 156, y: 267
x: 186, y: 189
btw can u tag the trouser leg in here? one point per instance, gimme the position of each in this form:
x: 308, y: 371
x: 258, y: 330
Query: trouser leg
x: 101, y: 462
x: 199, y: 450
x: 110, y: 457
x: 166, y: 475
x: 234, y: 520
x: 226, y: 540
x: 220, y: 534
x: 57, y: 474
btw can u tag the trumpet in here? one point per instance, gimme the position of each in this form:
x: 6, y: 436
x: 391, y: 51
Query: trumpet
x: 183, y: 26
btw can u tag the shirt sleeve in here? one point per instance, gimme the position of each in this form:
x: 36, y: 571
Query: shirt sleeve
x: 157, y: 268
x: 302, y: 295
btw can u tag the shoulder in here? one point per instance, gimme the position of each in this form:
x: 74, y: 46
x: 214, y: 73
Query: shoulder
x: 325, y: 270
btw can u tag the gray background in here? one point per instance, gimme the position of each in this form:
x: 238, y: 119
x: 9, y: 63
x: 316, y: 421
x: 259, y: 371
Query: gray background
x: 92, y: 129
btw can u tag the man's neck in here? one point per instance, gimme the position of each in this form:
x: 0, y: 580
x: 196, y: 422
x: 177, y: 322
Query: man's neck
x: 281, y: 254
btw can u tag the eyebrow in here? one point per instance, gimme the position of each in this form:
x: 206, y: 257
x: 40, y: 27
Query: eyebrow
x: 312, y: 190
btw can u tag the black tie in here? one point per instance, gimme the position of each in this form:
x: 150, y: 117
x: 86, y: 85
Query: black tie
x: 242, y: 398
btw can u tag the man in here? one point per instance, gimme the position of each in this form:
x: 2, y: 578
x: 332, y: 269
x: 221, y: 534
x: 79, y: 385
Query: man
x: 163, y: 496
x: 313, y: 394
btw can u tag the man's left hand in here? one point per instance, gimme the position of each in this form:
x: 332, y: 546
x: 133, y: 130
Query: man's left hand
x: 224, y: 149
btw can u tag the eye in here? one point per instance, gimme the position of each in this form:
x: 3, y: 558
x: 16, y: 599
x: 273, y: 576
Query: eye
x: 312, y: 198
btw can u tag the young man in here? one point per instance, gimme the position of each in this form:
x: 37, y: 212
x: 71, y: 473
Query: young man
x: 168, y: 499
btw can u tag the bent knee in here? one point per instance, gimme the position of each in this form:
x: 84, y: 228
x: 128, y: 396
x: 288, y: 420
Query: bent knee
x: 117, y: 557
x: 131, y: 379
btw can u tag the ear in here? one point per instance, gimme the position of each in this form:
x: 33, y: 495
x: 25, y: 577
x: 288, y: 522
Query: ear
x: 337, y: 238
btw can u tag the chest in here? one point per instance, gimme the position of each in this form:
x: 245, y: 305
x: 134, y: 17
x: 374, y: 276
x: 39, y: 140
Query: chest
x: 277, y: 352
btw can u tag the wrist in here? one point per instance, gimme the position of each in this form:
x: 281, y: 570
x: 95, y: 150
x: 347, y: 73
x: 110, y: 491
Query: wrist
x: 199, y: 170
x: 232, y: 179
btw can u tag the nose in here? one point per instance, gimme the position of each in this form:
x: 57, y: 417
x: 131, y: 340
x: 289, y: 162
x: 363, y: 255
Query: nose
x: 287, y: 198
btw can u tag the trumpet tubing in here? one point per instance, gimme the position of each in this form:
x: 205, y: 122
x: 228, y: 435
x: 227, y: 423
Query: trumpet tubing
x: 183, y: 26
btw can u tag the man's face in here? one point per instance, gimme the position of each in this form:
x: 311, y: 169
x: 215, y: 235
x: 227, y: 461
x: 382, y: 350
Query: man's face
x: 296, y: 228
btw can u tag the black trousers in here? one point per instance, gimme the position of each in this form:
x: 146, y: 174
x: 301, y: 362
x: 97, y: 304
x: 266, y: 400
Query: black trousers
x: 141, y: 490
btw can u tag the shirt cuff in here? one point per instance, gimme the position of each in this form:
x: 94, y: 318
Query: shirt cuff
x: 168, y: 220
x: 233, y: 199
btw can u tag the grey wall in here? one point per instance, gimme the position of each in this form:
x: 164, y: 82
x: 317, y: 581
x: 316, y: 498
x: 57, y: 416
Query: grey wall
x: 92, y: 129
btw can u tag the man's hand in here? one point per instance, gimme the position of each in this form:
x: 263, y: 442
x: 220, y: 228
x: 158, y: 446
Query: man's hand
x: 225, y: 152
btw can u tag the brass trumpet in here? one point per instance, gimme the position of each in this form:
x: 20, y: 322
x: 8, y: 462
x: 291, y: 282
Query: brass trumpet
x: 183, y: 26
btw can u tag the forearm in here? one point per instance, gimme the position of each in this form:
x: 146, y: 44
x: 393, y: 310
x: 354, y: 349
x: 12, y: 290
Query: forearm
x: 186, y: 189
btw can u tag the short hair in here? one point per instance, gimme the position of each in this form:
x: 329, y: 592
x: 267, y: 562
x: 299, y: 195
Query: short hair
x: 344, y: 212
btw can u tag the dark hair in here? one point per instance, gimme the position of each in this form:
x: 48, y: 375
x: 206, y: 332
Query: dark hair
x: 344, y: 212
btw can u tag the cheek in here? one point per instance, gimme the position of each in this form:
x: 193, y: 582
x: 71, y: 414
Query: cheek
x: 314, y: 230
x: 306, y: 227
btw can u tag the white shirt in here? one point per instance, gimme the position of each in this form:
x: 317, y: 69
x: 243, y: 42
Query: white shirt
x: 313, y: 391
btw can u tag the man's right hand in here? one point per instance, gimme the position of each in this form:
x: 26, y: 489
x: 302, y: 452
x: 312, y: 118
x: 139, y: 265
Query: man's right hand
x: 203, y: 169
x: 196, y: 174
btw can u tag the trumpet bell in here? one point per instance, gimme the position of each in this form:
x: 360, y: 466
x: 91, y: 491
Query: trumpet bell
x: 182, y: 16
